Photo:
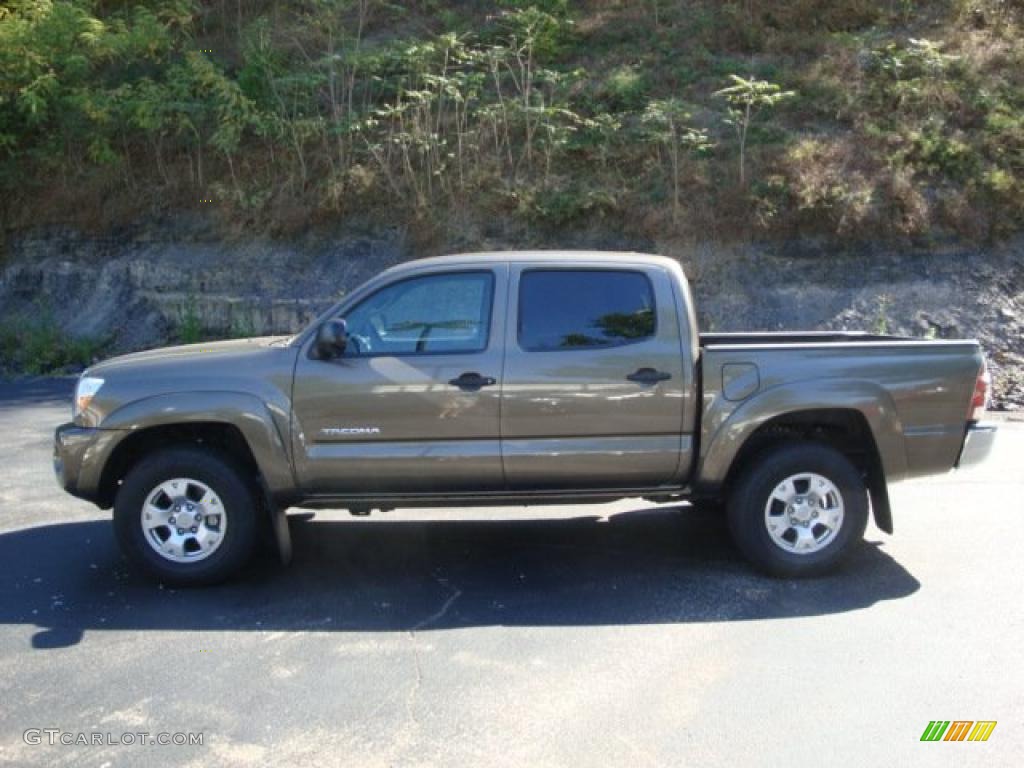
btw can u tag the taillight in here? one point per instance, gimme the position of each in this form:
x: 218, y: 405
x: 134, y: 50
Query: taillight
x: 980, y: 398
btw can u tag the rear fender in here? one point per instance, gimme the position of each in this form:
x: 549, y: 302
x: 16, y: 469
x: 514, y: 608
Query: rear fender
x: 731, y: 427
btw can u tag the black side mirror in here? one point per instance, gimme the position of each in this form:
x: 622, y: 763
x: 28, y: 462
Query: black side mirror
x: 331, y: 339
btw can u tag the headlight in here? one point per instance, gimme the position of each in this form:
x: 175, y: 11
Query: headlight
x: 86, y: 390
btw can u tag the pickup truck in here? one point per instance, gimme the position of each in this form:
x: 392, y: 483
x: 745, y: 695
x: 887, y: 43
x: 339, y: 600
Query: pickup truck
x: 517, y: 378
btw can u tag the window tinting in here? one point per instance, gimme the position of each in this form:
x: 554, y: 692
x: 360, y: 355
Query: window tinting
x: 570, y: 309
x: 447, y: 312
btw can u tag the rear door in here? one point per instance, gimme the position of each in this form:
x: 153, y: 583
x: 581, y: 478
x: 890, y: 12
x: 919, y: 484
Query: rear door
x: 412, y: 405
x: 594, y: 383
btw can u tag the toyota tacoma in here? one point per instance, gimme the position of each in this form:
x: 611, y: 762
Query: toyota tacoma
x: 517, y: 378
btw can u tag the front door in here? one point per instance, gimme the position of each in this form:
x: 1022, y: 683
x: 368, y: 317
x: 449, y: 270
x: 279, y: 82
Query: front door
x: 412, y: 405
x: 594, y: 385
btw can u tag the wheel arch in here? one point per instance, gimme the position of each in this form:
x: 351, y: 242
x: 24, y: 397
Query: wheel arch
x: 246, y: 415
x: 238, y: 424
x: 857, y: 418
x: 224, y: 437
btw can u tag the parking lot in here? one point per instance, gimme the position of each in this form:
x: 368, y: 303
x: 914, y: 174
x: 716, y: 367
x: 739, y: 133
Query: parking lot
x: 622, y: 634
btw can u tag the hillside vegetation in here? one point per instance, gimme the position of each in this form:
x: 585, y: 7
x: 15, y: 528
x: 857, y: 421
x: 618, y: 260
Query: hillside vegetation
x: 663, y: 118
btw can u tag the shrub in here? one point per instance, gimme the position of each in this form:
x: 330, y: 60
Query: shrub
x: 36, y: 345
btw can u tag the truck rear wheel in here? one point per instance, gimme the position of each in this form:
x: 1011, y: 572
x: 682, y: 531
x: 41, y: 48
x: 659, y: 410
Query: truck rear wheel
x: 798, y: 510
x: 186, y: 517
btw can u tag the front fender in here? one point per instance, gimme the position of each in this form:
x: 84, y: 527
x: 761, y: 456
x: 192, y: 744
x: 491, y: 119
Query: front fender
x: 253, y: 418
x: 727, y: 426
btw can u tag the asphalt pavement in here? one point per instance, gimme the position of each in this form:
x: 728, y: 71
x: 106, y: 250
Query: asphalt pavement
x: 614, y: 635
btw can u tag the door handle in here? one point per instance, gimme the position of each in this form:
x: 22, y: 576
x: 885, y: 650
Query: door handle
x: 648, y: 376
x: 472, y: 381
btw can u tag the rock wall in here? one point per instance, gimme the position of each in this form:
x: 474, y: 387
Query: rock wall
x: 137, y: 289
x: 950, y: 292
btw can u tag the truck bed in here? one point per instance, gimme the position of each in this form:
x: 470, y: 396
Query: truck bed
x: 773, y: 338
x: 916, y: 391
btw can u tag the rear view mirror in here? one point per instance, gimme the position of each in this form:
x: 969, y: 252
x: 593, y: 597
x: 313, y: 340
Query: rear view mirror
x: 331, y: 339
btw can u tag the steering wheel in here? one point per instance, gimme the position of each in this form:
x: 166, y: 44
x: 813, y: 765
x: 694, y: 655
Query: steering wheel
x: 360, y: 344
x: 367, y: 341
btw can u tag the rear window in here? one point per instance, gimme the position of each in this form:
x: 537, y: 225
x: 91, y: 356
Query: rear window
x: 584, y: 309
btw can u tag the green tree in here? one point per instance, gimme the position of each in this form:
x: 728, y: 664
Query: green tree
x: 72, y: 75
x: 667, y: 123
x: 746, y: 98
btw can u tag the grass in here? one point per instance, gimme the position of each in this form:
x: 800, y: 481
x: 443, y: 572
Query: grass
x: 37, y: 346
x: 190, y: 330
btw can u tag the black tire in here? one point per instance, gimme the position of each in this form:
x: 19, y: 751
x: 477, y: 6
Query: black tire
x: 752, y: 492
x: 224, y: 478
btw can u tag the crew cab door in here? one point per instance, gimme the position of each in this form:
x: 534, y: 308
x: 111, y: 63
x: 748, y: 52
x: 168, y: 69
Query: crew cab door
x: 595, y: 384
x: 412, y: 405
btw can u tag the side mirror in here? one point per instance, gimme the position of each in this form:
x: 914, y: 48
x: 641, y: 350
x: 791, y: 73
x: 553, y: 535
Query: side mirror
x: 331, y: 339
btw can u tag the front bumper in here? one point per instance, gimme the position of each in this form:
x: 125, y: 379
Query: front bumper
x: 72, y: 446
x: 977, y: 444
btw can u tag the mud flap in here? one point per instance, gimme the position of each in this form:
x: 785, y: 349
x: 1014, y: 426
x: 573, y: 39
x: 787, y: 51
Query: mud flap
x: 880, y: 503
x: 282, y: 534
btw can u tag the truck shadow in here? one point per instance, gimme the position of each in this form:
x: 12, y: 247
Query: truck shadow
x: 664, y: 565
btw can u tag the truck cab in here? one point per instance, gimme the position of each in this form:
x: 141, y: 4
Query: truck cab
x: 482, y: 376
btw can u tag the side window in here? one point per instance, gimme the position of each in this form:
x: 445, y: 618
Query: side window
x: 446, y: 312
x: 574, y: 309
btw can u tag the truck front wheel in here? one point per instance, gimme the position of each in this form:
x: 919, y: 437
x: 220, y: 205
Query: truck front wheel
x: 186, y: 516
x: 798, y: 509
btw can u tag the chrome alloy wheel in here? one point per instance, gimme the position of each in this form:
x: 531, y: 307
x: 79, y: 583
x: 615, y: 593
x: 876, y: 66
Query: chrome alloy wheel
x: 183, y: 520
x: 804, y: 513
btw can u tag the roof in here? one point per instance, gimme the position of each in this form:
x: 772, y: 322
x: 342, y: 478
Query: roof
x: 569, y: 257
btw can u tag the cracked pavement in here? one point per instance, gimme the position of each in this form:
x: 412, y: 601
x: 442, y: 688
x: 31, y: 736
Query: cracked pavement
x: 619, y: 634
